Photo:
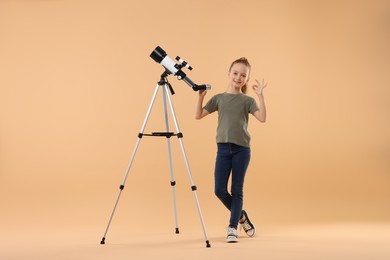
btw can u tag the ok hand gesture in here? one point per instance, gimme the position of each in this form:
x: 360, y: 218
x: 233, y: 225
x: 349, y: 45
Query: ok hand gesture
x: 259, y: 86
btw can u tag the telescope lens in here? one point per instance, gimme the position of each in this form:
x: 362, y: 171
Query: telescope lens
x: 158, y: 54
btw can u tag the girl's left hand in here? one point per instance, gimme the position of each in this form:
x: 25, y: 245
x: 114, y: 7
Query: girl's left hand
x: 259, y: 86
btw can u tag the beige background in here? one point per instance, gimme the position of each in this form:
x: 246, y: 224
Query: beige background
x: 75, y: 84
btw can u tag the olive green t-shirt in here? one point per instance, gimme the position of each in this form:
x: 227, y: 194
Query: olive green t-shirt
x: 233, y: 112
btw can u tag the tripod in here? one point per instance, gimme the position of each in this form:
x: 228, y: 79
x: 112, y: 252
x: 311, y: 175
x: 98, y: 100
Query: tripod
x: 165, y: 85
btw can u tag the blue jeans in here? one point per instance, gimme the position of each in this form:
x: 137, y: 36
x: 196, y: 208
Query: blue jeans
x: 231, y: 160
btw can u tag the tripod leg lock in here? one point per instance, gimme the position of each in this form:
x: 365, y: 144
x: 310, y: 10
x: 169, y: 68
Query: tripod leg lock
x: 173, y: 183
x: 121, y: 187
x: 193, y: 188
x: 179, y: 135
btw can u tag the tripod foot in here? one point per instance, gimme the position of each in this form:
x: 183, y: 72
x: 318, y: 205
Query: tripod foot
x: 208, y: 243
x: 102, y: 242
x: 177, y: 231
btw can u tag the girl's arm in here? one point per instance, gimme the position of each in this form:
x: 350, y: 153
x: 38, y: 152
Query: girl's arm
x: 200, y: 112
x: 260, y: 114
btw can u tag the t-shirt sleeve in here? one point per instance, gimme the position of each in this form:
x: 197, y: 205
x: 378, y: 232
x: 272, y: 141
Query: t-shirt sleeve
x: 253, y: 107
x: 212, y: 105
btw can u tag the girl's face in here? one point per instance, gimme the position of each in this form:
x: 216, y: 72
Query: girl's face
x: 238, y: 75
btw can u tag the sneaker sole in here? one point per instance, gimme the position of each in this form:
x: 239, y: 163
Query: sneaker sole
x: 252, y: 230
x: 232, y: 239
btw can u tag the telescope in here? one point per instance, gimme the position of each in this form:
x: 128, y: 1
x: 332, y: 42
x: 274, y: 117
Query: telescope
x: 175, y: 68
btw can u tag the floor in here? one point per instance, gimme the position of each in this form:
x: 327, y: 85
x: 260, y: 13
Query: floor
x: 322, y: 241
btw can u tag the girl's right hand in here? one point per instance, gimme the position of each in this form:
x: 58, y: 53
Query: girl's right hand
x: 202, y: 93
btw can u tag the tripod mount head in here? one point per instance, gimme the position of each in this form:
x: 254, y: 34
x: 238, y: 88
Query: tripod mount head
x: 175, y: 68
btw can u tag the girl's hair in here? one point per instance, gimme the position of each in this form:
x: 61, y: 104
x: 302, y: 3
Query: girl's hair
x: 244, y: 61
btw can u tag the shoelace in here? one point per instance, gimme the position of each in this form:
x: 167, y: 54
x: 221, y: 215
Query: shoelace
x: 232, y: 231
x: 246, y: 226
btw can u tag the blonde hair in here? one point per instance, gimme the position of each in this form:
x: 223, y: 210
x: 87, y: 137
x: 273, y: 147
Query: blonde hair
x: 244, y: 61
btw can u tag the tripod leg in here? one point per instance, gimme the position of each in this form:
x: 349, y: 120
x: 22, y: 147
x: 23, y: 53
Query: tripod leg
x: 193, y: 186
x: 121, y: 187
x: 173, y: 182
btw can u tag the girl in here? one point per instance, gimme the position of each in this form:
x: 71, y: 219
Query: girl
x: 233, y: 140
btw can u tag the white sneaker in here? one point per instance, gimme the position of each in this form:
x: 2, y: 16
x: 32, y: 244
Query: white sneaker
x: 247, y: 225
x: 232, y: 235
